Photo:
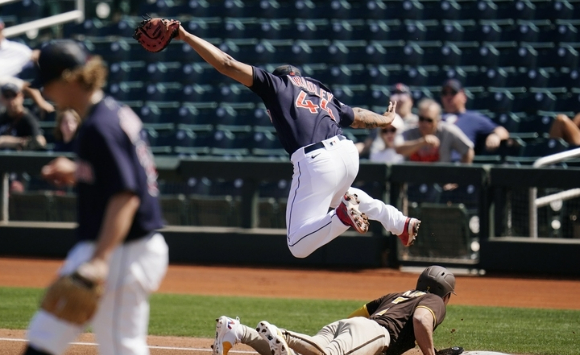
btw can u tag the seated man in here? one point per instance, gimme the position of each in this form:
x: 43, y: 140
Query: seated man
x: 18, y: 127
x: 413, y: 315
x: 475, y: 125
x: 434, y: 140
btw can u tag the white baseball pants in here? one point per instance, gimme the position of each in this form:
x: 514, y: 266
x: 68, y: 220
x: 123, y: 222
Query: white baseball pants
x: 320, y: 179
x: 122, y: 319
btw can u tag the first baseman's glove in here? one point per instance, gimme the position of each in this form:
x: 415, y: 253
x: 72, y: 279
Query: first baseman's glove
x: 456, y: 350
x: 74, y: 298
x: 154, y: 34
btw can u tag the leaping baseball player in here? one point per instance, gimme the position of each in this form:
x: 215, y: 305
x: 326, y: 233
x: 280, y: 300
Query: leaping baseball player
x: 308, y: 119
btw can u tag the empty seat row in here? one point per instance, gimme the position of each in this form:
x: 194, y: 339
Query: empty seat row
x: 253, y: 51
x: 380, y: 9
x: 352, y: 29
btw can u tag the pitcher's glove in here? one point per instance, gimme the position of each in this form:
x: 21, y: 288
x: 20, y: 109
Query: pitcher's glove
x: 74, y: 298
x: 154, y: 34
x: 456, y: 350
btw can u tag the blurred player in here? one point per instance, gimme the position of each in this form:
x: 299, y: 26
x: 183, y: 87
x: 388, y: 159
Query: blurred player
x: 309, y: 120
x: 118, y: 210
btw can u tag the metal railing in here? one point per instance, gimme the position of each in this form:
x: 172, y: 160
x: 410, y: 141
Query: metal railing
x: 536, y: 202
x: 75, y: 15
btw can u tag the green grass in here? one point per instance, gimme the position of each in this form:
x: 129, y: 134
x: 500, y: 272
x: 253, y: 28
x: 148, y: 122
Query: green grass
x: 510, y: 330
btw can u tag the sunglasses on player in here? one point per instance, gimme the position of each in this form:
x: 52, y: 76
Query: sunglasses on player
x: 388, y: 130
x: 9, y: 95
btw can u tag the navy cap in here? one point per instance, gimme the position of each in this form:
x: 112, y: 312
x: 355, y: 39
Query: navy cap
x: 453, y: 84
x: 56, y: 57
x: 10, y: 87
x: 286, y: 69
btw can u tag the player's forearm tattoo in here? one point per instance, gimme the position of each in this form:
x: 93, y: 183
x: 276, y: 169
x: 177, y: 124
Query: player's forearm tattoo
x: 368, y: 119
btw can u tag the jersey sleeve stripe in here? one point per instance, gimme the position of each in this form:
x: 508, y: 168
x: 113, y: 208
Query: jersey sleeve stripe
x: 433, y: 313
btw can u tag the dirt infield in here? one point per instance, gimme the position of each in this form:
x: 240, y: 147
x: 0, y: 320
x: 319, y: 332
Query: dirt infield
x: 323, y: 284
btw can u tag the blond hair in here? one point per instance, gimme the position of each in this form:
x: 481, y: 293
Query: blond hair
x: 91, y: 76
x: 59, y: 117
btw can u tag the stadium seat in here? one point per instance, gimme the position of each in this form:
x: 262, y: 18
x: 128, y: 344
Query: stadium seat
x: 497, y: 100
x: 352, y: 95
x: 524, y: 31
x: 127, y: 71
x: 383, y: 52
x: 128, y: 90
x: 227, y: 143
x: 162, y: 91
x: 539, y: 123
x: 487, y: 77
x: 569, y: 102
x: 559, y: 9
x: 523, y: 55
x: 111, y: 50
x: 545, y: 147
x: 160, y: 8
x: 346, y: 29
x: 466, y: 194
x: 238, y: 8
x: 236, y: 93
x: 234, y: 114
x: 460, y: 73
x: 538, y: 99
x: 304, y: 9
x: 199, y: 73
x: 89, y: 27
x: 486, y: 31
x: 565, y: 77
x: 562, y: 31
x: 197, y: 113
x: 123, y: 28
x: 380, y: 74
x: 190, y: 142
x: 310, y: 29
x: 199, y: 93
x: 537, y: 78
x: 447, y: 31
x: 268, y: 51
x: 520, y: 9
x: 380, y: 30
x: 485, y: 56
x: 412, y: 30
x: 267, y: 144
x: 378, y: 9
x: 346, y: 74
x: 242, y: 49
x: 204, y: 27
x: 482, y: 9
x: 240, y: 28
x: 310, y: 51
x: 562, y: 56
x: 508, y: 120
x: 435, y: 53
x: 269, y: 214
x: 275, y: 28
x: 442, y: 10
x: 201, y: 8
x: 412, y: 76
x: 337, y: 9
x: 341, y: 52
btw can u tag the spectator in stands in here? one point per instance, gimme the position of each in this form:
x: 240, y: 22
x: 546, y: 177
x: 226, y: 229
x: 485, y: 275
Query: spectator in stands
x: 65, y: 130
x: 566, y: 128
x: 434, y: 140
x: 475, y: 125
x: 18, y: 127
x: 402, y: 96
x: 386, y: 142
x: 14, y: 57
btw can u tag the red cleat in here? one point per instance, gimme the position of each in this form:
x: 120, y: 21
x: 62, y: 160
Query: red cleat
x: 410, y: 232
x: 349, y: 214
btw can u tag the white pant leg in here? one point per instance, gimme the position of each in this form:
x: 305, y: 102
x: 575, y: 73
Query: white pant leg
x: 122, y: 321
x: 143, y: 264
x: 391, y: 218
x: 320, y: 178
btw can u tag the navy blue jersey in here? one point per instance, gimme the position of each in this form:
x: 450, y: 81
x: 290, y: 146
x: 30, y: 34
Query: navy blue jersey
x: 302, y: 109
x: 112, y: 158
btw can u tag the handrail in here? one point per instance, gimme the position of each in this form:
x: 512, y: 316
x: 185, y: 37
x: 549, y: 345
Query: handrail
x: 75, y: 15
x: 534, y: 203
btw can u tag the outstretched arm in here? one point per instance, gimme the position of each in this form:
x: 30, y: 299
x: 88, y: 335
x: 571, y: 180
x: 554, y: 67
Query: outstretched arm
x: 223, y: 62
x: 423, y: 324
x: 367, y: 119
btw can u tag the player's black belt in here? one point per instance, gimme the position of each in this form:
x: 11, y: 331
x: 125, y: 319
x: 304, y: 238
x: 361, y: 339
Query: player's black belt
x: 314, y: 146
